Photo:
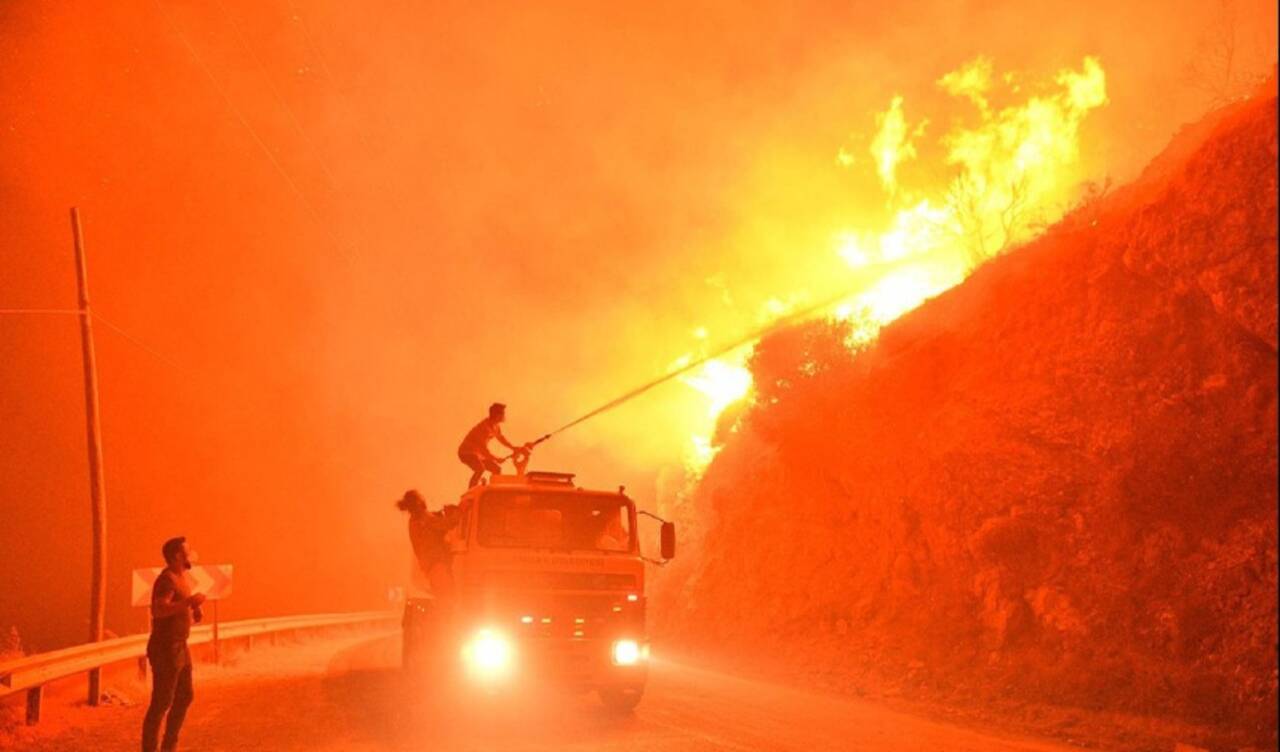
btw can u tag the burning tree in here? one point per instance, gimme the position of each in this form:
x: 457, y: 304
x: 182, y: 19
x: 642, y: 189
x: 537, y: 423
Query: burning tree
x: 988, y: 220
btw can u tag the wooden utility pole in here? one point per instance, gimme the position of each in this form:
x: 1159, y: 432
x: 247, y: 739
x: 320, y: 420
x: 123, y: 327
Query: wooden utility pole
x: 97, y: 490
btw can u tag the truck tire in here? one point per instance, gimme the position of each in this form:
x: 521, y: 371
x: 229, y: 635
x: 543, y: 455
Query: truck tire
x: 415, y: 635
x: 409, y: 651
x: 408, y: 656
x: 621, y: 699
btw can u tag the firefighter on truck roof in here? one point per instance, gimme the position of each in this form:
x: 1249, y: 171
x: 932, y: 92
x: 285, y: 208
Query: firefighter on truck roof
x: 474, y: 449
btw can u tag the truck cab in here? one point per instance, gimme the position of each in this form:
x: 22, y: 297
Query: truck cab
x: 549, y: 586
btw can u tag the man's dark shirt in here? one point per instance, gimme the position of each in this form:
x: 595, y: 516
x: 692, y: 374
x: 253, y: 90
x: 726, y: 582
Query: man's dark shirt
x: 170, y: 630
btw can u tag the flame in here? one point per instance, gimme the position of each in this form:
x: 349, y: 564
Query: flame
x: 723, y: 381
x: 903, y: 290
x: 1013, y: 169
x: 971, y: 81
x: 892, y: 144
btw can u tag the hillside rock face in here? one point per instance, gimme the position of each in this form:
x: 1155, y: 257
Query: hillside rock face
x: 1055, y: 483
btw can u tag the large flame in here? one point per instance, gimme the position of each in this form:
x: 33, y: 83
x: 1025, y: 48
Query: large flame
x: 1011, y: 168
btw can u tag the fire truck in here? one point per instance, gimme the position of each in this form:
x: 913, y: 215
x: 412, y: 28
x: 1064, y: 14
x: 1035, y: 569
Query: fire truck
x: 549, y: 586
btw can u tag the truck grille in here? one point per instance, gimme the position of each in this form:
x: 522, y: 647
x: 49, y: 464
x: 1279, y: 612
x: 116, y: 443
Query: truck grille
x: 535, y: 580
x: 563, y: 616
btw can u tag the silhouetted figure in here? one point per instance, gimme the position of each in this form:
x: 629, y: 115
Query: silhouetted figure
x: 173, y: 609
x: 474, y: 449
x: 427, y: 531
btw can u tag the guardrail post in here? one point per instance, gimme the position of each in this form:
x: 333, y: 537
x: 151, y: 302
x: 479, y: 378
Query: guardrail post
x: 217, y: 649
x: 95, y: 686
x: 34, y: 695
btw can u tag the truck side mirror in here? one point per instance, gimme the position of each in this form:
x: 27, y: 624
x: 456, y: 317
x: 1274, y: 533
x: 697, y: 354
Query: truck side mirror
x: 668, y: 540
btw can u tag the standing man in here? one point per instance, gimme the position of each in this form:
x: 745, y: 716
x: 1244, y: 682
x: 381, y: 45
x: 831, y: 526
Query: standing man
x: 474, y: 449
x: 173, y: 609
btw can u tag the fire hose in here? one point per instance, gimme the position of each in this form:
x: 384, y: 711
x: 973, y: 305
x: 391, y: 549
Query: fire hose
x: 521, y: 454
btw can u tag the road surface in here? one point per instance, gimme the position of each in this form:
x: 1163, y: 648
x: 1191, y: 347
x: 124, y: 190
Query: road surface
x: 348, y: 695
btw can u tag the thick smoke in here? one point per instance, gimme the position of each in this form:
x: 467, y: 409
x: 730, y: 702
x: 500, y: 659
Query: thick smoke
x: 333, y: 234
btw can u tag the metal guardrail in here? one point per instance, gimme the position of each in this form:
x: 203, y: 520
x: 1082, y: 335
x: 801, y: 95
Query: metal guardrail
x: 32, y: 672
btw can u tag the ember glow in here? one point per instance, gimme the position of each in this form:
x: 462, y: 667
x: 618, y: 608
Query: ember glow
x: 1012, y: 160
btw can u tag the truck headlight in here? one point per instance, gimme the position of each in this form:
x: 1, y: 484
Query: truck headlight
x: 626, y: 653
x: 489, y: 654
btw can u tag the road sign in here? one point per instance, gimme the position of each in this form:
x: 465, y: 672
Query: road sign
x: 214, y: 580
x: 143, y: 579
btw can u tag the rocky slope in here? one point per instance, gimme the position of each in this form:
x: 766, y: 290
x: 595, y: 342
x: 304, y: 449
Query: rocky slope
x: 1053, y: 486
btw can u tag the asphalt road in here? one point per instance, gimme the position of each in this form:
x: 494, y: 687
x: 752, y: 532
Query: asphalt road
x: 348, y: 695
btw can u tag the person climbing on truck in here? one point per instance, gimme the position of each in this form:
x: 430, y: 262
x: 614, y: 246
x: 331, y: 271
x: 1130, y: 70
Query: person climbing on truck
x: 474, y: 449
x: 427, y: 536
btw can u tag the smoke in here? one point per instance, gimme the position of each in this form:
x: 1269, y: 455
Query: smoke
x: 340, y: 232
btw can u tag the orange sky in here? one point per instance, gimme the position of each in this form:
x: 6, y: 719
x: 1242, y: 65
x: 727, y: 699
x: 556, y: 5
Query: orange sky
x: 345, y: 229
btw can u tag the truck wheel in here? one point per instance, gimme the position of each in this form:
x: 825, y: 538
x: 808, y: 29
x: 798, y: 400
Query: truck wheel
x: 415, y: 635
x: 621, y: 700
x: 408, y: 656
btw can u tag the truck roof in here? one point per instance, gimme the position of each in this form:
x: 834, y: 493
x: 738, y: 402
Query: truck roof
x: 533, y: 481
x: 536, y: 477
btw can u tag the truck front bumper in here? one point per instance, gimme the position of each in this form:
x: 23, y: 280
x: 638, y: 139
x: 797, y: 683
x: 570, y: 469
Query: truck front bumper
x: 582, y: 664
x: 588, y: 664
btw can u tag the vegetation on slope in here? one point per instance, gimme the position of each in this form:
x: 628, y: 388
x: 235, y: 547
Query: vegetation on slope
x: 1054, y: 484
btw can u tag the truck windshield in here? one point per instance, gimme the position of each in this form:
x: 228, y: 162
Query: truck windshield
x: 556, y: 520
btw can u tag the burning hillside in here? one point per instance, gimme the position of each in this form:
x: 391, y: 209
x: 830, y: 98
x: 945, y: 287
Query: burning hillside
x: 1053, y: 485
x: 1011, y: 160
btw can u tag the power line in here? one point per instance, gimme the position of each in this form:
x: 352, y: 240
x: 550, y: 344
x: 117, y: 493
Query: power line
x: 392, y: 197
x: 333, y: 181
x: 266, y: 76
x: 226, y: 99
x: 67, y: 311
x: 99, y: 317
x: 311, y: 43
x: 139, y: 343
